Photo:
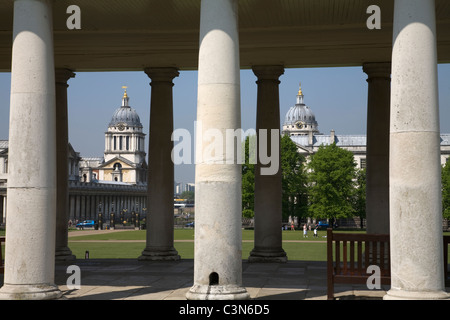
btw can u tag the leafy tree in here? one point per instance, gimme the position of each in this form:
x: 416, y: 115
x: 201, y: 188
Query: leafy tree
x: 294, y: 180
x: 248, y: 183
x: 188, y: 195
x: 446, y: 191
x: 294, y: 199
x: 359, y: 197
x: 332, y: 170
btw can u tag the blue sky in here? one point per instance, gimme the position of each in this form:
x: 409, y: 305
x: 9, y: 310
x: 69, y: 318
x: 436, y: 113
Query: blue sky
x: 337, y: 96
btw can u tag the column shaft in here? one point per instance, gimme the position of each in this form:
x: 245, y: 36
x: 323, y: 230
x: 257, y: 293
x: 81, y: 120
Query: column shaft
x: 30, y: 229
x: 268, y: 190
x: 415, y: 172
x: 218, y: 215
x: 62, y: 251
x: 377, y: 170
x: 160, y: 220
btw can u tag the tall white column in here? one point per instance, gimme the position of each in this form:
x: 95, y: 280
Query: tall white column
x: 268, y: 190
x: 415, y: 173
x: 377, y: 170
x: 30, y: 229
x: 218, y: 215
x: 62, y: 149
x: 160, y: 220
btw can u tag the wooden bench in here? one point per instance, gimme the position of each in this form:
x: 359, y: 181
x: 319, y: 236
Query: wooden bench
x: 353, y: 254
x: 368, y: 250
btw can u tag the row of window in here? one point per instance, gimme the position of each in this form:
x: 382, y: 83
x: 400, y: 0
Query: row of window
x: 123, y: 143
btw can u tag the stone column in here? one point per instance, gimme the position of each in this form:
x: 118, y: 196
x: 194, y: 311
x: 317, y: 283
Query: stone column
x: 160, y: 220
x: 377, y: 169
x: 415, y: 172
x: 62, y: 251
x: 218, y: 215
x: 30, y: 229
x: 268, y: 190
x: 2, y: 201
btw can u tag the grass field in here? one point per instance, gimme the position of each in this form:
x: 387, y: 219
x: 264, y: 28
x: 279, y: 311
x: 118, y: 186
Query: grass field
x: 314, y: 249
x: 129, y: 244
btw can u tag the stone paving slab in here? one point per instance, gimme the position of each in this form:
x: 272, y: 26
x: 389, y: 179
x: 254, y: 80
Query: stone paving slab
x: 129, y: 279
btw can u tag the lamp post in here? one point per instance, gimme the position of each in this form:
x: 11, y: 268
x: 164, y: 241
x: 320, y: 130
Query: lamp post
x: 144, y: 219
x: 100, y: 217
x: 136, y: 217
x: 111, y: 218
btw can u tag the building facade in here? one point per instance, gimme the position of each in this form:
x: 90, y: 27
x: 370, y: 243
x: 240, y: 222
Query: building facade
x: 108, y: 185
x: 124, y: 155
x: 301, y: 125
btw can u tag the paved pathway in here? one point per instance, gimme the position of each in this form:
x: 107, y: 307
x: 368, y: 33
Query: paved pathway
x: 129, y: 279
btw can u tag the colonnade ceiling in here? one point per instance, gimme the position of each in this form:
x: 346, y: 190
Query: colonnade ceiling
x: 134, y: 34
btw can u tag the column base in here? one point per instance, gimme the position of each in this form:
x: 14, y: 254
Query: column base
x: 395, y: 294
x: 268, y: 256
x: 217, y: 292
x: 152, y: 254
x: 29, y: 292
x: 64, y: 254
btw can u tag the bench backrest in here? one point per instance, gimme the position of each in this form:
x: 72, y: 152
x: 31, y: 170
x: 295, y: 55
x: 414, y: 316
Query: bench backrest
x: 354, y: 253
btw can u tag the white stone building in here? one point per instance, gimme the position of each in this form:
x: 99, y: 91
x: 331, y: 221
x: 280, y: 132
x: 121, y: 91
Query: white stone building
x: 124, y: 155
x: 303, y: 128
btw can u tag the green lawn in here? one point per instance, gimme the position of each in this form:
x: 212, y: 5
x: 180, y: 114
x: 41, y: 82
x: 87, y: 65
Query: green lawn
x: 188, y: 234
x: 295, y: 250
x: 311, y: 248
x: 115, y: 250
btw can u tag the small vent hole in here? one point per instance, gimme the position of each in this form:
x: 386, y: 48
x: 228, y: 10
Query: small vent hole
x: 213, y: 279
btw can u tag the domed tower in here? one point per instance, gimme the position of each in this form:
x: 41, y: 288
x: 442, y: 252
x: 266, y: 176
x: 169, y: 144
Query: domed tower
x: 300, y: 120
x: 125, y: 145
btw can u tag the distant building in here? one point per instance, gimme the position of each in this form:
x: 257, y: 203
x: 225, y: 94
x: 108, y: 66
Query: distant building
x: 124, y: 156
x: 301, y: 125
x: 180, y: 187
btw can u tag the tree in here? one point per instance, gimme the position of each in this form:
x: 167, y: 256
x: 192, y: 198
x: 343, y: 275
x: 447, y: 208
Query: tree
x: 359, y: 197
x: 294, y: 180
x: 331, y: 177
x: 294, y: 199
x: 446, y: 191
x: 248, y: 183
x: 188, y: 195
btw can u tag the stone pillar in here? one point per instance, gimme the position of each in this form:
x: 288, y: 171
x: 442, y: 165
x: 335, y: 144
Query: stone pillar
x: 30, y: 229
x: 268, y: 190
x: 160, y: 220
x: 2, y: 208
x: 218, y: 215
x: 62, y: 251
x: 377, y: 169
x: 415, y: 173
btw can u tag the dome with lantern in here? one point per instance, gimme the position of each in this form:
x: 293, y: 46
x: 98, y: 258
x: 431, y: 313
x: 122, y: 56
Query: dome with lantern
x: 125, y: 116
x: 300, y: 120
